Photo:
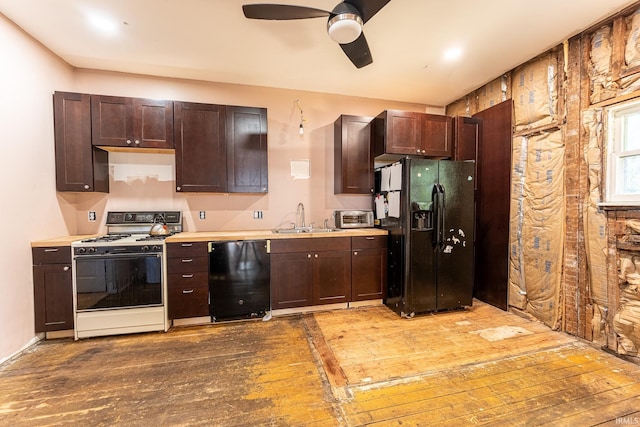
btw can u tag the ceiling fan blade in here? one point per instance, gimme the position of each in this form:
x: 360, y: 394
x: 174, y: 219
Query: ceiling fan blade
x: 358, y: 51
x: 281, y: 12
x: 368, y: 8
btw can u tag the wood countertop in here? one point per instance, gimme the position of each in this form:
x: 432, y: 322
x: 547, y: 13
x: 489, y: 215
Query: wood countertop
x: 61, y: 241
x: 201, y: 236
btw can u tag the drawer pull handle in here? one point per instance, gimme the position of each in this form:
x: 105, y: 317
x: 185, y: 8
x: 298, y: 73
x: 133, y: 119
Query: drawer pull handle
x: 187, y: 291
x: 66, y: 268
x: 187, y: 245
x: 370, y: 238
x: 187, y: 260
x: 187, y: 276
x: 51, y: 250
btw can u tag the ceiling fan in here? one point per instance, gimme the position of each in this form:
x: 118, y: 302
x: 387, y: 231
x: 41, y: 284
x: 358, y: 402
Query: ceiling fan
x: 344, y: 25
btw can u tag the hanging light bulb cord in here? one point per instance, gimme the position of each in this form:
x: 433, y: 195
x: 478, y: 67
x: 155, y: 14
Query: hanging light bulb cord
x: 301, y: 128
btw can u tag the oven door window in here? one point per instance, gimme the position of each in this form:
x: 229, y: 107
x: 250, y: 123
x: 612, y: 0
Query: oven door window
x: 118, y: 282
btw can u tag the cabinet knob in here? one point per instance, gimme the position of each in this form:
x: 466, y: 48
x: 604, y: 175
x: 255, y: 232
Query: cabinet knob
x: 128, y: 141
x: 316, y: 255
x: 178, y: 188
x: 87, y: 186
x: 66, y: 268
x: 424, y: 151
x: 308, y: 255
x: 355, y: 252
x: 137, y: 142
x: 418, y: 151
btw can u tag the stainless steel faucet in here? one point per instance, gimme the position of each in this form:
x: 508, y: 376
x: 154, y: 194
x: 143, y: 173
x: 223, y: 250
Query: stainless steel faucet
x: 300, y: 215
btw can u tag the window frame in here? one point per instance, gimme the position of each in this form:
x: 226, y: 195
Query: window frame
x: 614, y: 153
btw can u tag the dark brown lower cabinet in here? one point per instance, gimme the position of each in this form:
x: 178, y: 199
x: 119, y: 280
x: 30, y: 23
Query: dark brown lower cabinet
x: 52, y: 289
x: 187, y: 280
x: 368, y: 268
x: 310, y: 272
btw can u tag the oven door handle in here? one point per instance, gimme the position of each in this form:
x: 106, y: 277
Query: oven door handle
x: 127, y: 255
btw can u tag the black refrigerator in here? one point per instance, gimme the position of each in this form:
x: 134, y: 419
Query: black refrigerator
x: 427, y: 206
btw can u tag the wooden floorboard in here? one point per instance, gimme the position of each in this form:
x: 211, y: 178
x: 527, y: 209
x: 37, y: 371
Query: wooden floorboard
x: 355, y: 367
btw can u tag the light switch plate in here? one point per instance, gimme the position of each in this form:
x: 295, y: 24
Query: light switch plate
x: 203, y: 215
x: 92, y: 216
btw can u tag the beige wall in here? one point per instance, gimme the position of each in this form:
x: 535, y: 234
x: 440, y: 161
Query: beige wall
x: 30, y: 207
x: 33, y: 210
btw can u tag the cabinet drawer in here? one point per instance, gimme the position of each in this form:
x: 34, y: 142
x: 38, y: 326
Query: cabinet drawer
x: 316, y: 244
x: 365, y: 242
x: 188, y: 280
x: 188, y: 265
x: 52, y: 255
x: 184, y: 303
x: 186, y: 249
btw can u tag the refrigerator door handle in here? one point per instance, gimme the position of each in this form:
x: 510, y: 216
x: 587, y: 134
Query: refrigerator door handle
x: 435, y: 201
x: 441, y: 217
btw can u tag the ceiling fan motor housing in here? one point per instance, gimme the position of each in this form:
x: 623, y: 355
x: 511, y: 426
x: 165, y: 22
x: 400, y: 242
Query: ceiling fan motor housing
x: 345, y: 24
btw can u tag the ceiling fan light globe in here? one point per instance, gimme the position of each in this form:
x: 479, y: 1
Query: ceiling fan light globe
x: 344, y: 28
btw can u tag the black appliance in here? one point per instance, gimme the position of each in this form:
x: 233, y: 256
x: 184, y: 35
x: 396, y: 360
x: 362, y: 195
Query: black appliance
x: 427, y: 206
x: 239, y: 279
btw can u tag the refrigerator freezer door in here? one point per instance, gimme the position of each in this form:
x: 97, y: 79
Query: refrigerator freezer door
x: 422, y: 295
x: 455, y: 260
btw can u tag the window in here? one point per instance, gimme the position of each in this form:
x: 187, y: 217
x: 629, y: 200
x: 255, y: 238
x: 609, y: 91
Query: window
x: 623, y: 155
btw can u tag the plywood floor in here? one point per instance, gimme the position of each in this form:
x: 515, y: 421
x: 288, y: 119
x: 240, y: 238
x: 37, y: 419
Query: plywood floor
x: 352, y: 367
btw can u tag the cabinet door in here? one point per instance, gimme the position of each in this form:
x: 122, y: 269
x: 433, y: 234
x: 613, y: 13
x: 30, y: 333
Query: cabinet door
x: 112, y: 121
x: 353, y: 155
x: 79, y: 166
x: 152, y: 123
x: 246, y: 135
x: 435, y: 140
x: 53, y: 297
x: 291, y: 280
x: 200, y: 147
x: 131, y: 122
x: 368, y: 274
x: 331, y: 277
x: 403, y: 130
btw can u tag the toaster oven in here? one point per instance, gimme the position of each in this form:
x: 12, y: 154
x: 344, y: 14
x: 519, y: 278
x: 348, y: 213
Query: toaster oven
x: 353, y: 218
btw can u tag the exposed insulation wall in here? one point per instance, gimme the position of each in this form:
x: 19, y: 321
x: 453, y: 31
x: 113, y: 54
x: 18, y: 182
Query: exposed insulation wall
x: 535, y: 92
x: 595, y: 225
x: 630, y: 83
x: 459, y: 108
x: 602, y: 84
x: 493, y: 93
x: 538, y: 219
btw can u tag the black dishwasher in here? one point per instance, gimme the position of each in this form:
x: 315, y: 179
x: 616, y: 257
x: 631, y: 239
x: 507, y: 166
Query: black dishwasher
x: 239, y: 279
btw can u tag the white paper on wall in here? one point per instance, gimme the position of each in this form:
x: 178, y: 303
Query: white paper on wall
x: 395, y: 180
x: 384, y: 178
x: 379, y: 204
x: 300, y: 169
x: 394, y: 203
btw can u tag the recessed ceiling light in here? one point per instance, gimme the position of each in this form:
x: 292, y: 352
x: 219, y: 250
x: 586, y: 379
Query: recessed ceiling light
x: 103, y: 24
x: 453, y: 53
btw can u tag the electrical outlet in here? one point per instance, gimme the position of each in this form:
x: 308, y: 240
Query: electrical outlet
x: 92, y: 216
x: 203, y: 215
x: 257, y: 214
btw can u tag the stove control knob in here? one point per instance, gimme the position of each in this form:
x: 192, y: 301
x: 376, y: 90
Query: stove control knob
x: 91, y: 250
x: 80, y: 250
x: 157, y: 248
x: 145, y: 248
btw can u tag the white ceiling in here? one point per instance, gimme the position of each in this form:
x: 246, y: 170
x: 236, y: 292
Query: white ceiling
x: 212, y: 40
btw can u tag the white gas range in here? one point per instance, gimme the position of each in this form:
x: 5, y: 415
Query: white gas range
x: 119, y: 283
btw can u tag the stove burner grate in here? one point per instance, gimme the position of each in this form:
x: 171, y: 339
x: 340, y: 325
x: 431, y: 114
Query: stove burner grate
x: 106, y: 238
x: 152, y: 238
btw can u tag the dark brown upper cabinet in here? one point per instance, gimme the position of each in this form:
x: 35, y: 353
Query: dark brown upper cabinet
x: 409, y: 133
x: 220, y: 149
x: 79, y: 165
x: 247, y: 160
x: 200, y: 147
x: 353, y: 155
x: 131, y: 122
